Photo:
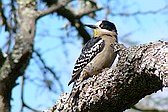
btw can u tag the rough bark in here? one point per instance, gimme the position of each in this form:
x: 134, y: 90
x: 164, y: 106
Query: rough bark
x: 16, y: 62
x: 140, y: 71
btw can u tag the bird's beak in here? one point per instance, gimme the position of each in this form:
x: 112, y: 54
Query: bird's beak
x: 91, y: 26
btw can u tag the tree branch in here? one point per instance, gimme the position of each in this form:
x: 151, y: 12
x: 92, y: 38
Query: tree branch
x: 23, y: 104
x: 4, y: 19
x: 140, y: 71
x: 148, y: 110
x: 139, y: 12
x: 73, y: 18
x: 2, y: 58
x: 48, y: 69
x: 87, y: 12
x: 53, y: 8
x: 68, y: 14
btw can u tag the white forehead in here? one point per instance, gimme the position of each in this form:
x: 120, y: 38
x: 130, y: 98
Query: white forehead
x: 98, y: 23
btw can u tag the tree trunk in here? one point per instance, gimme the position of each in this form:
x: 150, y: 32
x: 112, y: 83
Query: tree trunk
x: 14, y: 64
x: 5, y: 96
x: 140, y: 71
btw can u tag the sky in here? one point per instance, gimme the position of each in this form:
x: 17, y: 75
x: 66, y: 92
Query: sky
x: 49, y: 41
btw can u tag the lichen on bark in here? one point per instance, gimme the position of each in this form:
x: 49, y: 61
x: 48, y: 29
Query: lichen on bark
x: 140, y: 71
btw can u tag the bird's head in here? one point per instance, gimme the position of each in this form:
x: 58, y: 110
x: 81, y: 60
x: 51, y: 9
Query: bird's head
x: 103, y: 27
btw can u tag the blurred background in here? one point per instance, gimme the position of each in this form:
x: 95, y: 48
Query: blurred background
x: 61, y: 35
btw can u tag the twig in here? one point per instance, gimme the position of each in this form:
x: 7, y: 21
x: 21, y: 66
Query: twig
x: 139, y: 12
x: 23, y: 104
x: 48, y: 69
x: 22, y: 93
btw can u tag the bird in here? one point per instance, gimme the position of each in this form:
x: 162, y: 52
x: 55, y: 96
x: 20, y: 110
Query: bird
x: 97, y: 54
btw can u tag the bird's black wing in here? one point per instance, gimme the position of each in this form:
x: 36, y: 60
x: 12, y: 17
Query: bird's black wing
x: 94, y: 46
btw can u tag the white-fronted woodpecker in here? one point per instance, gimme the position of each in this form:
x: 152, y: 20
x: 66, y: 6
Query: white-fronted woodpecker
x: 97, y: 54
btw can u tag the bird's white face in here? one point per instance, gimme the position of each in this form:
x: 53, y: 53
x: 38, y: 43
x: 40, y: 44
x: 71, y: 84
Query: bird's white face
x: 102, y: 28
x: 99, y: 30
x: 98, y: 23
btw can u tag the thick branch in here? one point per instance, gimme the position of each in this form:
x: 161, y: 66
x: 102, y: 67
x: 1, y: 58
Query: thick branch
x: 140, y: 71
x: 87, y: 12
x: 52, y: 8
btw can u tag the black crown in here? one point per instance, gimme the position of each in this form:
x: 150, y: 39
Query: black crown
x: 108, y: 26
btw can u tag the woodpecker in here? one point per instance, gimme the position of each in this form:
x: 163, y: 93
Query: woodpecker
x: 97, y: 53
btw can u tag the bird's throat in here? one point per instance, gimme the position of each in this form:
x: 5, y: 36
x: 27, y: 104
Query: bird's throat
x: 96, y: 33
